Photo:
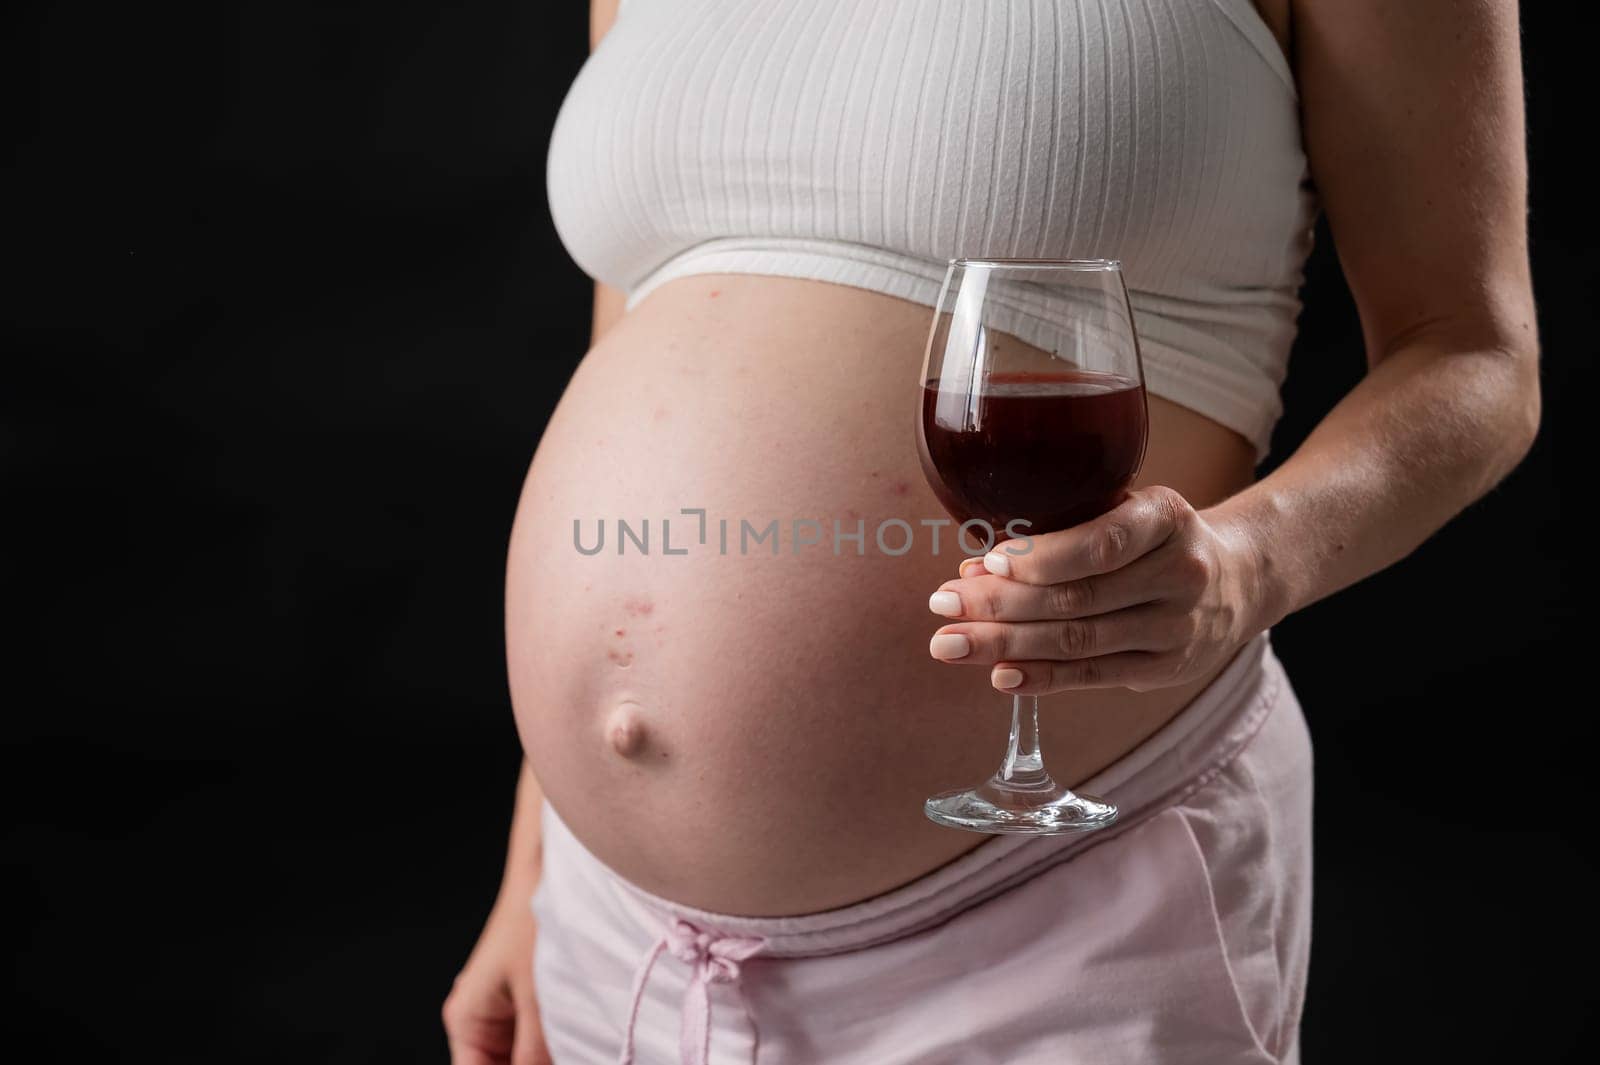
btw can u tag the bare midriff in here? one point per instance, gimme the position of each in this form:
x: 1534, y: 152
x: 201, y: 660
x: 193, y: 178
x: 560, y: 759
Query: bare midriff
x: 752, y: 733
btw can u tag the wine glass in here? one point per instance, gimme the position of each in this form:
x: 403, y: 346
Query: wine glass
x: 1033, y: 420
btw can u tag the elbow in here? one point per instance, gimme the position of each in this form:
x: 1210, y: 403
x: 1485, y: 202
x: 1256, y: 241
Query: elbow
x: 1525, y: 405
x: 1510, y: 403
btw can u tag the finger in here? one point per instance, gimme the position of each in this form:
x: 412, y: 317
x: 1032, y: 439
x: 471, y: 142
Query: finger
x: 466, y: 1054
x: 1135, y: 527
x: 987, y: 598
x: 971, y: 567
x: 988, y: 642
x: 1139, y: 670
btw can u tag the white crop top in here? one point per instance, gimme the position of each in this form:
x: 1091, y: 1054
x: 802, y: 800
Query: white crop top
x: 868, y: 142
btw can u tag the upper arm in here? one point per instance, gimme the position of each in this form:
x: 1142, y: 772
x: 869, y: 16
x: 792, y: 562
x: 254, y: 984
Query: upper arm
x: 602, y: 13
x: 607, y: 300
x: 1413, y: 124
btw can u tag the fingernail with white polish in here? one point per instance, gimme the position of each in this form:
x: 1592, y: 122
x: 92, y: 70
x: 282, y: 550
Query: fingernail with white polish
x: 947, y: 604
x: 997, y: 563
x: 1006, y: 679
x: 948, y: 646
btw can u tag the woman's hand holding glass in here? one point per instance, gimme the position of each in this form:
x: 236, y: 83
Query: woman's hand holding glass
x: 1150, y: 594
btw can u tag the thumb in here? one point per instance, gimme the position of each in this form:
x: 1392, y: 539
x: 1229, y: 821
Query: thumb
x: 479, y: 1019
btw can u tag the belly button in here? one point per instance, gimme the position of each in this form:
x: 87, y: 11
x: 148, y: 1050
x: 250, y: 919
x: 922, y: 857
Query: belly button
x: 625, y: 729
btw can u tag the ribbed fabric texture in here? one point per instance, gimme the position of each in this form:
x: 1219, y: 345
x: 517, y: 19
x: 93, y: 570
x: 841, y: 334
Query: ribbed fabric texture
x: 867, y: 142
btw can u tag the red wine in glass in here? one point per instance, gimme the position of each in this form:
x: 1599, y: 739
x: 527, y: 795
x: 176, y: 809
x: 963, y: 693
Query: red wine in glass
x: 1054, y: 449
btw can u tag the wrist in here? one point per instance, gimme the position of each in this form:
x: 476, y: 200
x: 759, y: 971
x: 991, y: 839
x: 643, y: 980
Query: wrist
x: 518, y: 883
x: 1259, y: 581
x: 516, y: 897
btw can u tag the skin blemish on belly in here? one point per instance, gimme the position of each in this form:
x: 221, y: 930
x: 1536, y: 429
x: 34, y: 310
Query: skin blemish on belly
x: 902, y: 488
x: 621, y: 632
x: 715, y: 293
x: 660, y: 414
x: 623, y: 658
x: 638, y: 607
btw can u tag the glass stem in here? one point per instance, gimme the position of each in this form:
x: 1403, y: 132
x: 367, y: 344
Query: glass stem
x: 1024, y: 765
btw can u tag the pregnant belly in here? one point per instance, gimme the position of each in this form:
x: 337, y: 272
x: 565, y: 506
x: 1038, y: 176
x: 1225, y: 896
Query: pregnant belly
x: 751, y: 730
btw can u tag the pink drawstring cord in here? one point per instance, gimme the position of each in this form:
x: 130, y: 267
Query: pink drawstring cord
x: 712, y: 959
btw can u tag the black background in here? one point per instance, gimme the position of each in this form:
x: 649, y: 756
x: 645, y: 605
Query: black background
x: 286, y: 317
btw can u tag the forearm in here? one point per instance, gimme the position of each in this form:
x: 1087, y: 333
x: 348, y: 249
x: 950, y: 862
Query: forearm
x: 1429, y: 430
x: 524, y: 851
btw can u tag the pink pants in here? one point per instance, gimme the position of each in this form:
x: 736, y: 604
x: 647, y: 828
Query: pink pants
x: 1178, y: 935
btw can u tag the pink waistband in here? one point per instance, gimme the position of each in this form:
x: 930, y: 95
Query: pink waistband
x: 1176, y: 760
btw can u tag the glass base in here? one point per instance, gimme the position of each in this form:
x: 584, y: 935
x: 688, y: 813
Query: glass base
x: 1040, y: 807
